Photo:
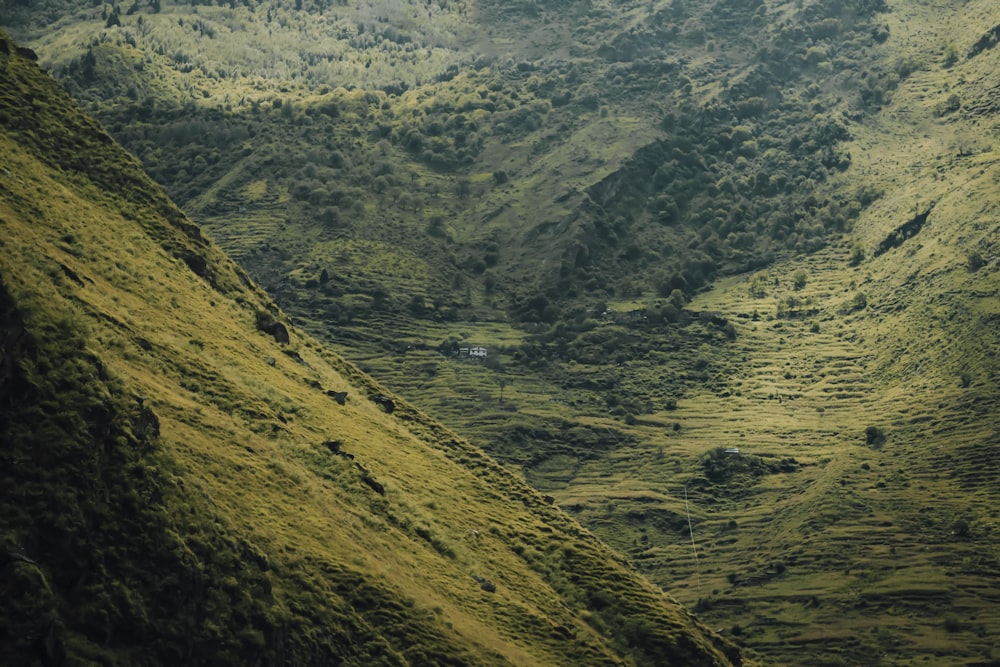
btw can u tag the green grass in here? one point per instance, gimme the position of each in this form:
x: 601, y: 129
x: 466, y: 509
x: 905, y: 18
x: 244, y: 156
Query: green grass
x: 789, y: 563
x: 809, y: 562
x: 168, y: 496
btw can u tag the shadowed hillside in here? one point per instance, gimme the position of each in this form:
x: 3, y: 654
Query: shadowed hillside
x: 185, y: 483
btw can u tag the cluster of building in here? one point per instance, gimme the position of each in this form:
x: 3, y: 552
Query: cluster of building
x: 473, y: 352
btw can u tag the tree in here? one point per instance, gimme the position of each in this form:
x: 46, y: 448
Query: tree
x: 379, y: 297
x: 89, y: 66
x: 975, y: 261
x: 417, y: 306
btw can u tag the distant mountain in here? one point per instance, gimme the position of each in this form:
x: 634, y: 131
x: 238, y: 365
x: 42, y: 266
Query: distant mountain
x: 529, y: 157
x: 187, y: 478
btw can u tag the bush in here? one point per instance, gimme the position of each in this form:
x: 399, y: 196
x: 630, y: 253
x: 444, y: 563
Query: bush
x: 857, y: 255
x: 974, y: 261
x: 874, y: 436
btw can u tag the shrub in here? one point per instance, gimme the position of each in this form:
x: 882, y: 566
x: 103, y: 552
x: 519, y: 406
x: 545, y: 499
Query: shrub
x: 874, y: 436
x: 857, y: 255
x: 974, y: 261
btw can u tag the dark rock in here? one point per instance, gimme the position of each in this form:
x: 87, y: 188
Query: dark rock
x: 147, y: 426
x: 333, y: 446
x: 195, y: 262
x: 387, y: 403
x: 339, y: 396
x: 71, y: 274
x: 280, y: 333
x: 485, y: 584
x: 904, y: 232
x: 293, y: 354
x: 269, y: 325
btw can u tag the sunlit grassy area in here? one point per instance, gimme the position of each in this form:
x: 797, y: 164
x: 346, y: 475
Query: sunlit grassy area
x: 264, y: 518
x: 677, y: 229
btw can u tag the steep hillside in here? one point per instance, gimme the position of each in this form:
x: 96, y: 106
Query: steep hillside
x: 410, y: 179
x: 857, y: 522
x: 677, y: 228
x: 184, y: 483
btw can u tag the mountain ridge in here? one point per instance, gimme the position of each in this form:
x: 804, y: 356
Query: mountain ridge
x: 174, y: 491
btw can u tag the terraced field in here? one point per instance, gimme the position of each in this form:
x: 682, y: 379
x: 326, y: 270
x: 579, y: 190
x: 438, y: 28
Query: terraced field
x: 847, y: 524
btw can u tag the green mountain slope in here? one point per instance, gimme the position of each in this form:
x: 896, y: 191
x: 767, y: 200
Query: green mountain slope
x: 181, y: 486
x: 856, y: 525
x: 677, y: 227
x: 395, y: 178
x: 520, y: 157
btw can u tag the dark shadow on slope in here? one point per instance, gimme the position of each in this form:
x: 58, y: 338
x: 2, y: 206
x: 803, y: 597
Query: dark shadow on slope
x: 903, y: 233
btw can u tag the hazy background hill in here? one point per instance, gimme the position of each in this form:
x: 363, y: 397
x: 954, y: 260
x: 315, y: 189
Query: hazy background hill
x: 677, y: 227
x: 184, y: 483
x: 526, y: 157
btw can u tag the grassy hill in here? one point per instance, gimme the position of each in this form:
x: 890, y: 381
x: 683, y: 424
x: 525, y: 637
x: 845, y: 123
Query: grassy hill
x: 182, y: 486
x: 857, y: 523
x: 678, y: 228
x: 522, y: 165
x: 520, y: 159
